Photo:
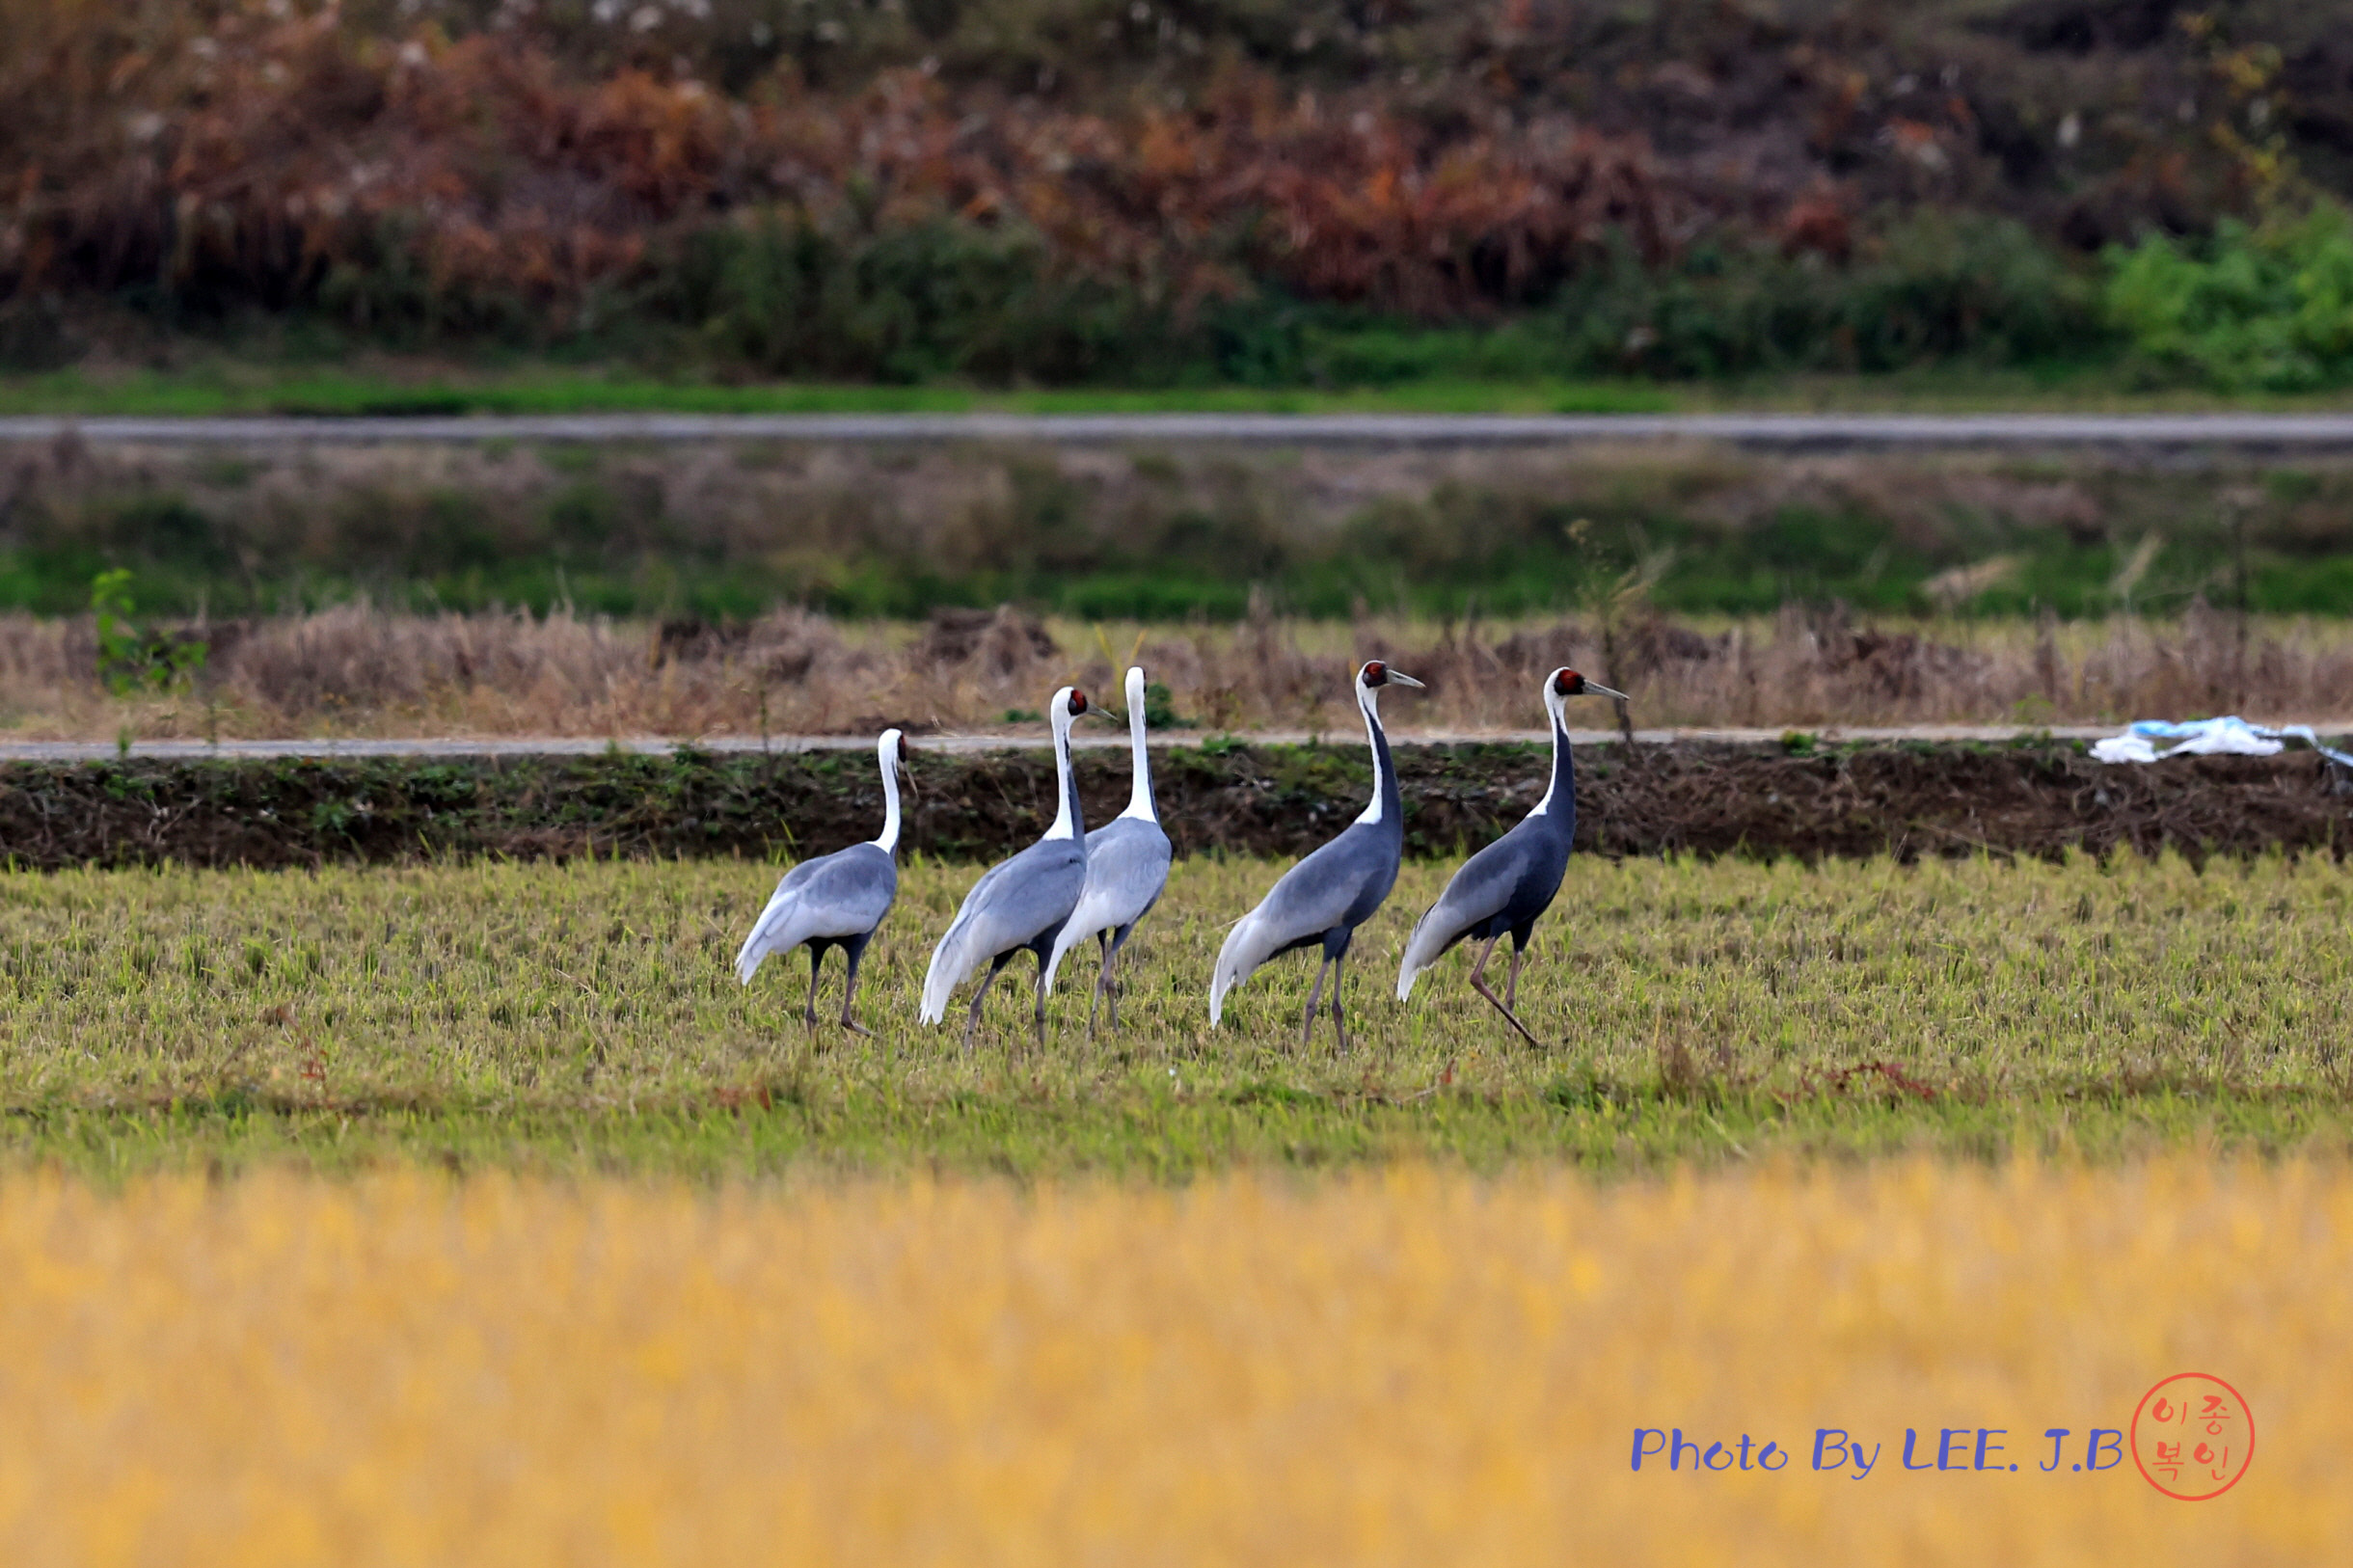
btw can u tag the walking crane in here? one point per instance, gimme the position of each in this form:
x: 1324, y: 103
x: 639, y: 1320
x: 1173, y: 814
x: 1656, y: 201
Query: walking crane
x: 836, y: 900
x: 1509, y: 884
x: 1128, y: 869
x: 1326, y: 896
x: 1021, y: 903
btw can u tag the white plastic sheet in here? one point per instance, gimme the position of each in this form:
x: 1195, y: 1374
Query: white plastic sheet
x: 2231, y: 737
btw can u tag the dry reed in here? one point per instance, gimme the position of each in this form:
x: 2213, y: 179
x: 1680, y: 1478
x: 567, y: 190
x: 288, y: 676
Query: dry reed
x: 354, y: 670
x: 1403, y: 1367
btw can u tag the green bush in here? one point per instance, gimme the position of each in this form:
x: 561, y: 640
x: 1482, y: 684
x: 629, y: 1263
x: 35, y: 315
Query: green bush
x: 778, y: 292
x: 1937, y: 287
x: 2267, y: 307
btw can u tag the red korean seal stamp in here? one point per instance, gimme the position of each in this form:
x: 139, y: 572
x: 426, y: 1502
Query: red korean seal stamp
x: 2193, y: 1436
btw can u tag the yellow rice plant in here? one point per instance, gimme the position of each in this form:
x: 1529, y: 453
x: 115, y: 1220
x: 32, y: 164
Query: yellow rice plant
x: 1400, y: 1368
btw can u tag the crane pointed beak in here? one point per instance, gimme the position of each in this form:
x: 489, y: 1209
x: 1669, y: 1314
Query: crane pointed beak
x: 1600, y: 690
x: 1396, y: 679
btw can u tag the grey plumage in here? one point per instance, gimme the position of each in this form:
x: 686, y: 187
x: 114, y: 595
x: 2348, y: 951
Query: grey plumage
x: 1505, y: 887
x: 834, y: 899
x: 1020, y: 903
x: 1128, y: 869
x: 1325, y: 897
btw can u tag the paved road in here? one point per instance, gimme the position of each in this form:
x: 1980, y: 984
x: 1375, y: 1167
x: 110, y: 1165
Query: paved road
x: 2146, y: 432
x: 656, y: 745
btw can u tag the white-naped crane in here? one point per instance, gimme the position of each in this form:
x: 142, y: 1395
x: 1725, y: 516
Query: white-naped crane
x: 1021, y: 903
x: 836, y: 900
x: 1325, y: 897
x: 1128, y: 869
x: 1505, y: 886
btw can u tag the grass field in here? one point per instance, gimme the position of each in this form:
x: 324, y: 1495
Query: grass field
x: 398, y: 389
x: 585, y: 1017
x: 1404, y: 1368
x: 393, y: 385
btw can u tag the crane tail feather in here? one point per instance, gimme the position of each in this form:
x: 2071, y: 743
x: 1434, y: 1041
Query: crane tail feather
x: 952, y: 961
x: 1427, y: 944
x: 769, y: 933
x: 1244, y: 949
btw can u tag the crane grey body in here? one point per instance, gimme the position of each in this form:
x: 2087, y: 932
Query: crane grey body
x: 1021, y: 903
x: 1505, y: 887
x: 1128, y: 869
x: 1325, y: 897
x: 834, y: 899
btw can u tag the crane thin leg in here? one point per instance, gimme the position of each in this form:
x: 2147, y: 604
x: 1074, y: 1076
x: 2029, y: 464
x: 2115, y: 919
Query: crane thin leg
x: 1306, y: 1026
x: 972, y: 1020
x: 1478, y: 983
x: 849, y: 989
x: 1040, y: 1022
x: 1511, y: 986
x: 1100, y: 981
x: 817, y: 956
x: 1338, y: 1026
x: 1111, y: 958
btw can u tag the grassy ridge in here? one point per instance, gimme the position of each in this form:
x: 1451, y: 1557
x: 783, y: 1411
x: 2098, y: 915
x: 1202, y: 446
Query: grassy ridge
x: 586, y: 1016
x: 201, y: 385
x: 431, y: 388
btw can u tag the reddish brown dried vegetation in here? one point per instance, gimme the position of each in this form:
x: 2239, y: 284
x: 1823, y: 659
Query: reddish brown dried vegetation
x: 257, y: 148
x: 272, y: 153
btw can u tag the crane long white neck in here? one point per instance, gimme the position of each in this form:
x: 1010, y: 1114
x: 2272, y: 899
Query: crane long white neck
x: 1368, y: 698
x: 1560, y: 752
x: 886, y: 751
x: 1140, y: 802
x: 1066, y: 813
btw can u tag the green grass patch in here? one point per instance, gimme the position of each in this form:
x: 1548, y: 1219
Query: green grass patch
x: 390, y: 386
x: 228, y: 388
x: 584, y: 1017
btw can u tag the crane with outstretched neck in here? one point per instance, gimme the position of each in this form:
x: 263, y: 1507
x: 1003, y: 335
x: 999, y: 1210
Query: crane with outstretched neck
x: 1325, y: 897
x: 1128, y: 869
x: 836, y: 900
x: 1021, y: 903
x: 1508, y: 884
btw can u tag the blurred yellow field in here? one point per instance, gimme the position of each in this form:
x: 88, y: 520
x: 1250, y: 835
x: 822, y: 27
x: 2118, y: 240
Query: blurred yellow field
x: 1403, y: 1367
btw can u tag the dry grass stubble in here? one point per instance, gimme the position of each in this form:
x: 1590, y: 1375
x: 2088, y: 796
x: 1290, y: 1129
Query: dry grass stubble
x: 607, y: 985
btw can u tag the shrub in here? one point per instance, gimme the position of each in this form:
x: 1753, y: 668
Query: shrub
x: 2265, y: 306
x: 779, y: 291
x: 1935, y: 287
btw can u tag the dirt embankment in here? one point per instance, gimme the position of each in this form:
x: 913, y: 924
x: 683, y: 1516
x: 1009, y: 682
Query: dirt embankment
x: 1907, y: 800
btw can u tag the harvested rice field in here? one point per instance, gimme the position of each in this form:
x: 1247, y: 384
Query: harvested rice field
x: 586, y: 1016
x: 1407, y: 1367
